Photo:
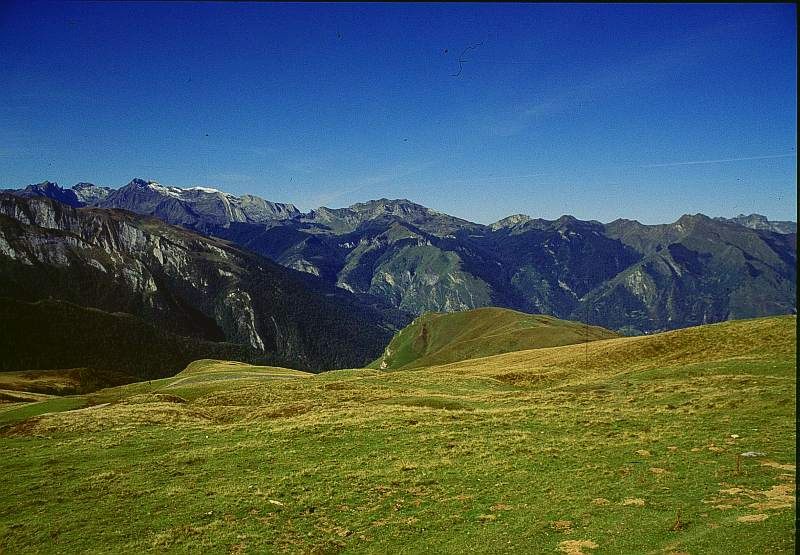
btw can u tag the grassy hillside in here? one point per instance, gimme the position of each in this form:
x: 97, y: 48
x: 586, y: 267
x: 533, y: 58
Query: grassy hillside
x: 627, y: 445
x: 441, y: 338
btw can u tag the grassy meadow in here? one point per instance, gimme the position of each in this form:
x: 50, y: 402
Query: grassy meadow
x: 622, y: 445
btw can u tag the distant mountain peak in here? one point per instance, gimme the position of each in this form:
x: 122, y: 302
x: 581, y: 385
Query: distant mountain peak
x: 195, y: 207
x: 692, y: 219
x: 52, y: 190
x: 45, y: 187
x: 387, y: 204
x: 510, y: 221
x: 566, y: 219
x: 759, y: 221
x: 90, y: 194
x: 139, y: 182
x: 210, y: 190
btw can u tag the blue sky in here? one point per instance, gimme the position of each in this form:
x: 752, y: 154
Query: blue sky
x: 599, y: 111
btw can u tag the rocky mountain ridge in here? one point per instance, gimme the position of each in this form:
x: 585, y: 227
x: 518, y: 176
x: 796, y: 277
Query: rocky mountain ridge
x: 623, y: 275
x: 185, y: 283
x: 146, y: 196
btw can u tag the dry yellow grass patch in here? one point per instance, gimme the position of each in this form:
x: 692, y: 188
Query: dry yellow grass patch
x: 740, y: 339
x: 753, y: 518
x: 731, y: 491
x: 107, y: 417
x: 207, y: 365
x: 633, y: 502
x: 777, y: 497
x: 576, y: 547
x: 564, y: 526
x: 779, y: 466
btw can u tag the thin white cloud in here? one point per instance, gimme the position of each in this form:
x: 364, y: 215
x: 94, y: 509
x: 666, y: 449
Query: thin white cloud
x: 666, y: 61
x: 719, y: 161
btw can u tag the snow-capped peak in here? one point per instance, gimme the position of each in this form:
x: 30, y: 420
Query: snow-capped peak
x: 169, y: 191
x: 205, y: 190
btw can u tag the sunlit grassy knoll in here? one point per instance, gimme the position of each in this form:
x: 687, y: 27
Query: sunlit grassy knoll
x: 632, y: 449
x: 13, y: 396
x: 441, y: 338
x: 42, y: 381
x: 207, y: 366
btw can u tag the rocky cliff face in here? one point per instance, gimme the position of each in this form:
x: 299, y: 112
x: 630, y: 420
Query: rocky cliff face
x: 189, y: 284
x: 196, y: 207
x: 757, y: 221
x: 89, y: 194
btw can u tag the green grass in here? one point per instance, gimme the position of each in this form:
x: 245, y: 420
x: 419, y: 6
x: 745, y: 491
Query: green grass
x: 20, y: 412
x: 613, y: 444
x: 441, y: 338
x: 209, y: 366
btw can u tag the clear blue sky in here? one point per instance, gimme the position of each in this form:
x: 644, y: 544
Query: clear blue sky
x: 635, y: 111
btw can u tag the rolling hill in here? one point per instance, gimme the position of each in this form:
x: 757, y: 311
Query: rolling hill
x: 442, y: 338
x: 680, y: 442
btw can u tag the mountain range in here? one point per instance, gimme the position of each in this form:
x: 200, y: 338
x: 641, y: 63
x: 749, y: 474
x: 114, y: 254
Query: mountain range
x: 395, y: 254
x: 100, y: 265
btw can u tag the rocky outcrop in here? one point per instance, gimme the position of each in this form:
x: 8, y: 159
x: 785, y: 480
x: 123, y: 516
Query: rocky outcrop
x: 90, y: 194
x: 757, y: 221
